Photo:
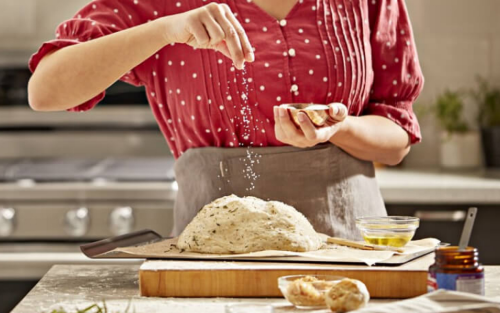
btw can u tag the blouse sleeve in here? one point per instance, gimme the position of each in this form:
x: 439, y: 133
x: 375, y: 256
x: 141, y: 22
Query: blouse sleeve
x: 97, y: 19
x: 398, y: 78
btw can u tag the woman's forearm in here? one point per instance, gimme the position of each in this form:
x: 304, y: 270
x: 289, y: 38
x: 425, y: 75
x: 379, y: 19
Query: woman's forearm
x: 373, y: 138
x: 76, y: 74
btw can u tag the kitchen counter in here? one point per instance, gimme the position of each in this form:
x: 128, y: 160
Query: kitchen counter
x: 403, y: 186
x: 78, y: 286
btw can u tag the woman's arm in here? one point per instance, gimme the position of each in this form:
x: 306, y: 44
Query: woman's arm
x: 75, y: 74
x: 369, y: 138
x: 372, y: 138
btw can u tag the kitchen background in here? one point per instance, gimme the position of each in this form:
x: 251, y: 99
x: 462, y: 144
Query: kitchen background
x: 72, y: 178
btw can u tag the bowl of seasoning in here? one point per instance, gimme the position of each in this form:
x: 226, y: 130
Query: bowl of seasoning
x: 393, y: 231
x: 307, y: 291
x: 319, y: 114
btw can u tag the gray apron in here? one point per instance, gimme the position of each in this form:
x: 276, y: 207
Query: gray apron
x: 330, y: 187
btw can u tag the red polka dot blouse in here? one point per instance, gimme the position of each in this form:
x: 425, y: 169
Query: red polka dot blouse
x: 358, y: 52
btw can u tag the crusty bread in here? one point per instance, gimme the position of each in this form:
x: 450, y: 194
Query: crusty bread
x: 242, y: 225
x: 347, y: 295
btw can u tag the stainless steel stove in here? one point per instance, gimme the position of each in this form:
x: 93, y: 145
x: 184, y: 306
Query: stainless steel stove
x: 73, y: 178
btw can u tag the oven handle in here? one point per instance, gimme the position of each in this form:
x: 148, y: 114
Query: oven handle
x: 441, y: 216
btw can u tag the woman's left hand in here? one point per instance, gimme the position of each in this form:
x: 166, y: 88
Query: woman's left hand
x: 307, y: 135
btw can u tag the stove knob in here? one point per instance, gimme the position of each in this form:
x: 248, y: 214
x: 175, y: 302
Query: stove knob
x: 121, y: 221
x: 7, y: 221
x: 77, y: 221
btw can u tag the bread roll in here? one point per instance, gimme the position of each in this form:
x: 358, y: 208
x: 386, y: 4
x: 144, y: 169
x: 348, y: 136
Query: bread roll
x: 347, y: 295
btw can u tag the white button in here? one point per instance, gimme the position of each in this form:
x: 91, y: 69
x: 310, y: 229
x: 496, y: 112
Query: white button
x: 295, y: 88
x: 291, y: 52
x: 283, y: 23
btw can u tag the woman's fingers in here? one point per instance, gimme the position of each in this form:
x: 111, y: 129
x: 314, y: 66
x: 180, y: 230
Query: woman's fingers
x: 231, y: 36
x: 287, y: 125
x: 199, y: 35
x: 214, y: 30
x: 245, y: 43
x: 308, y: 128
x: 338, y: 111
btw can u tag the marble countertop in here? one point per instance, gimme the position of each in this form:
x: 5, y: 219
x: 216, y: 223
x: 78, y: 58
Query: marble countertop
x: 405, y: 186
x: 78, y: 286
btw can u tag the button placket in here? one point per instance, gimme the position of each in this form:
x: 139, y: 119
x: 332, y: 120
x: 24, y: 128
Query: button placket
x: 289, y: 53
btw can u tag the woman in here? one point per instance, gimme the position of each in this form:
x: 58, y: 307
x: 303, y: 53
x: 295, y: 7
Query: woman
x: 359, y: 55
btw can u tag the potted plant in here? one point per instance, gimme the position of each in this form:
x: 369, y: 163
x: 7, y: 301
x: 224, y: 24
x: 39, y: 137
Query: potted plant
x: 460, y: 146
x: 488, y: 100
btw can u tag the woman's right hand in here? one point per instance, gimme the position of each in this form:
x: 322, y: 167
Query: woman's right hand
x: 212, y: 26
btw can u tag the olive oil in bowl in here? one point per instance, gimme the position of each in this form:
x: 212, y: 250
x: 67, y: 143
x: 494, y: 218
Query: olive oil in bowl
x: 393, y: 231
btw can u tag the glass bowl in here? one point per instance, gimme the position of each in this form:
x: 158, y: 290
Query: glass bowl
x: 307, y: 291
x: 393, y: 231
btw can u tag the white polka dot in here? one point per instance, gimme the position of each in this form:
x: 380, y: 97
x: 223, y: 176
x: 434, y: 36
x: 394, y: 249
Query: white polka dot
x: 311, y: 72
x: 262, y: 88
x: 183, y: 63
x: 337, y: 49
x: 94, y: 6
x: 283, y: 23
x: 207, y: 131
x: 384, y: 66
x: 221, y: 107
x: 250, y: 79
x: 219, y: 61
x: 153, y: 94
x: 266, y: 64
x: 301, y: 31
x: 318, y: 57
x: 340, y: 6
x: 155, y: 13
x: 396, y: 60
x: 313, y: 8
x: 285, y: 54
x: 154, y: 73
x: 280, y: 75
x: 130, y: 17
x: 169, y: 121
x: 166, y: 79
x: 229, y: 98
x: 278, y: 41
x: 157, y: 56
x: 394, y: 82
x: 192, y: 117
x: 169, y: 63
x: 219, y: 130
x: 178, y: 91
x: 278, y: 98
x: 178, y: 4
x: 348, y: 59
x: 160, y: 105
x: 340, y: 84
x: 115, y: 10
x: 407, y: 42
x: 195, y: 75
x: 231, y: 144
x: 306, y: 40
x: 264, y: 29
x: 247, y: 20
x: 325, y: 79
x: 403, y: 115
x: 198, y: 98
x: 183, y: 102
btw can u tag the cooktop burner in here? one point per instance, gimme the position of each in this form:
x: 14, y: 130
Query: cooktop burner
x: 83, y: 170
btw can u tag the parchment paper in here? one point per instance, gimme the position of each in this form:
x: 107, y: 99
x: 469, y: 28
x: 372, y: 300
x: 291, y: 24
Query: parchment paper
x: 167, y: 249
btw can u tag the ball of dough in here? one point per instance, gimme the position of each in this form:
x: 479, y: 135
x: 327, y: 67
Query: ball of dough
x: 347, y: 295
x: 241, y: 225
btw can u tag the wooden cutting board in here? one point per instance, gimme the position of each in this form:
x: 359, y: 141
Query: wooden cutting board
x: 160, y: 278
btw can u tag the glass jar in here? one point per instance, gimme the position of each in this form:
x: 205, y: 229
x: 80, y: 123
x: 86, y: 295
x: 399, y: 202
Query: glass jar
x: 456, y: 270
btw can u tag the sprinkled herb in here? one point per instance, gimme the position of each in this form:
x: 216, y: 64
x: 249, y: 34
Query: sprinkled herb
x: 95, y: 308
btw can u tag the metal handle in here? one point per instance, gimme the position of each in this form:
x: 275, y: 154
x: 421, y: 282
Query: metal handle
x: 441, y: 216
x: 7, y: 221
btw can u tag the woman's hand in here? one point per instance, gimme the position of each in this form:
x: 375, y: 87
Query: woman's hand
x: 307, y: 135
x: 212, y: 26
